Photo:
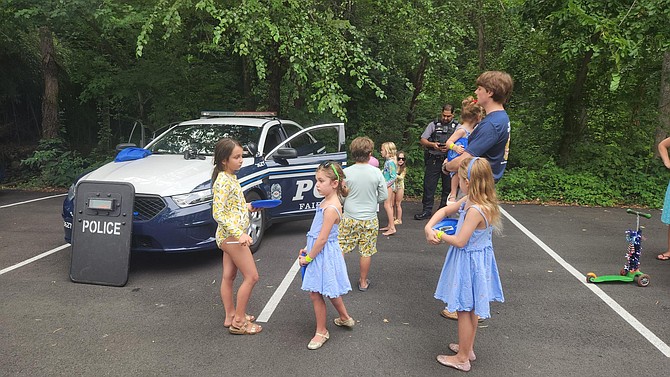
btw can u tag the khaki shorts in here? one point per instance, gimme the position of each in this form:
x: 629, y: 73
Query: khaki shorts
x: 361, y: 233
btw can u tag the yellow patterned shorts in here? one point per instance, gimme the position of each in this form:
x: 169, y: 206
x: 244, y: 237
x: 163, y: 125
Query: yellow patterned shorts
x: 361, y: 233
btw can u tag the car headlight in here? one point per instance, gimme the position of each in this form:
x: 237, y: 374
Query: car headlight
x: 193, y: 198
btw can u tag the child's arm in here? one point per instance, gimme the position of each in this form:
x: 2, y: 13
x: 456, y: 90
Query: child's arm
x: 382, y: 191
x: 459, y: 133
x: 473, y: 219
x: 393, y: 173
x: 438, y: 216
x: 663, y: 151
x: 329, y: 217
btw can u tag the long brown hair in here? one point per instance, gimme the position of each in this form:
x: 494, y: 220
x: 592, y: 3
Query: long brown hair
x: 222, y: 151
x: 481, y: 187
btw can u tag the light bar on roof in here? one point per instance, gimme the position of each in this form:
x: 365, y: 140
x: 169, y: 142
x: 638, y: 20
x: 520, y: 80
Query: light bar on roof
x: 206, y: 114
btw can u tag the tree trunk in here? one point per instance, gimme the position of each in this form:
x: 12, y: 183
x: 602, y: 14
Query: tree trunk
x: 417, y: 81
x: 247, y: 71
x: 275, y: 74
x: 574, y: 111
x: 50, y: 98
x: 663, y: 127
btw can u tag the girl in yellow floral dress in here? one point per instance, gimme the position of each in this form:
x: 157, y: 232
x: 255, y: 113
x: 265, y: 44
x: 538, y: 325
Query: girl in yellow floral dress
x: 231, y: 212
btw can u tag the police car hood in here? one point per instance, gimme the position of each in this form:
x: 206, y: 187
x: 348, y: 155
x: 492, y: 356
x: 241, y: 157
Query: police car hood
x: 163, y: 175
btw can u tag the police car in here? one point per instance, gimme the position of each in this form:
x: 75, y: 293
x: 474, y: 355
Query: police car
x: 173, y: 198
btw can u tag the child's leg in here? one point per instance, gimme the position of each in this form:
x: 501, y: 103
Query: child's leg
x: 467, y: 328
x: 453, y: 194
x: 388, y: 206
x: 399, y: 194
x: 365, y: 269
x: 244, y: 261
x: 227, y: 279
x: 466, y: 336
x: 666, y: 254
x: 338, y: 303
x: 319, y: 313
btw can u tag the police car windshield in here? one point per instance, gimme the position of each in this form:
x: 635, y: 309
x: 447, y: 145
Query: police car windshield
x: 202, y: 137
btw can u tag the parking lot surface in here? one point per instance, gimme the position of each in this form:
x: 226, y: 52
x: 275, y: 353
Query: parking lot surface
x: 168, y: 318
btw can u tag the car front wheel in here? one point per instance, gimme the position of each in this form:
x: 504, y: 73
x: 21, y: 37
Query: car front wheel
x: 257, y: 222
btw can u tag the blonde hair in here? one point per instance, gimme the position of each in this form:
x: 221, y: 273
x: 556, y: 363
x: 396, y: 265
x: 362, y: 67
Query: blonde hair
x: 334, y: 172
x: 481, y: 188
x: 471, y: 111
x: 390, y: 149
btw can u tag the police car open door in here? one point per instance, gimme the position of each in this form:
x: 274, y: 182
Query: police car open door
x: 292, y: 179
x: 102, y: 232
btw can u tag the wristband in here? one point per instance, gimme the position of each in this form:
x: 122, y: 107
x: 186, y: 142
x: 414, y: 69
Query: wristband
x: 440, y: 234
x: 308, y: 259
x: 451, y: 146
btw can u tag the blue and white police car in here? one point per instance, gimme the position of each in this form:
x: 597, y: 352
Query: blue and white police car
x: 173, y: 198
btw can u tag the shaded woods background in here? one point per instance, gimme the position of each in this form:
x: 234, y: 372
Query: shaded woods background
x: 592, y: 82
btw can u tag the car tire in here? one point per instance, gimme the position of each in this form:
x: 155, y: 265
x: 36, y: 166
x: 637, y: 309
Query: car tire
x: 257, y: 222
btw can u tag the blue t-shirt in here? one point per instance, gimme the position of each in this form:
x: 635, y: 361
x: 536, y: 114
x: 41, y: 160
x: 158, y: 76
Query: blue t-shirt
x: 490, y: 140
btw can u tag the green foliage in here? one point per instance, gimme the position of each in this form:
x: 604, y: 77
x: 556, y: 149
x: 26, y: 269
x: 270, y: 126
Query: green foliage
x: 554, y: 184
x: 54, y: 164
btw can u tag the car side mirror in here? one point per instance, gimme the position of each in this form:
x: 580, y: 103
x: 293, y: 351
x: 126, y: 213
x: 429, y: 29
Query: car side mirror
x: 250, y: 149
x: 285, y: 153
x: 122, y: 146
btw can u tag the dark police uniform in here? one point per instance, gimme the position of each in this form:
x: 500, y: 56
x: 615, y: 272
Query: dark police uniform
x: 436, y: 131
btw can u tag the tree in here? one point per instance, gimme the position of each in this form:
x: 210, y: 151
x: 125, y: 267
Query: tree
x: 300, y: 45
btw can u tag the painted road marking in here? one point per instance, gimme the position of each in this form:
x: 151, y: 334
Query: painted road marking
x: 32, y: 200
x: 643, y: 330
x: 37, y: 257
x: 270, y: 307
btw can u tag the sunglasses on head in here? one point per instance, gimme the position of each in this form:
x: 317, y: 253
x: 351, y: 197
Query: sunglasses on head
x: 327, y: 164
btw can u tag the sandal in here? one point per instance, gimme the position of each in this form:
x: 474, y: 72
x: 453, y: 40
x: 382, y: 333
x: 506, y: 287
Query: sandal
x: 345, y: 323
x: 247, y: 317
x: 316, y: 345
x: 247, y: 328
x: 663, y: 257
x: 397, y: 222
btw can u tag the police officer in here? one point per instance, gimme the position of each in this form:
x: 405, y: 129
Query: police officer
x: 434, y: 139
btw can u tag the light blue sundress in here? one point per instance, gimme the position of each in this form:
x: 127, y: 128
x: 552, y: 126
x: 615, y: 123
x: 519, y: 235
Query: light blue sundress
x: 327, y: 273
x: 469, y: 278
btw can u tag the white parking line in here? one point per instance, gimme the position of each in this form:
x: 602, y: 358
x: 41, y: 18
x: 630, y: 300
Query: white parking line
x: 32, y: 200
x: 25, y: 262
x: 279, y: 293
x: 643, y: 330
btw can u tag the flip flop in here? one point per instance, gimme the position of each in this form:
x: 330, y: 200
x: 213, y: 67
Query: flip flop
x: 663, y: 257
x: 366, y: 288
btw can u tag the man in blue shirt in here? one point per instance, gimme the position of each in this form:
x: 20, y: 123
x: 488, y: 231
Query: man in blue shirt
x: 491, y: 137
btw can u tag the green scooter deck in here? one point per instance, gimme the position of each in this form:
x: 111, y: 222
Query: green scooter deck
x: 638, y: 277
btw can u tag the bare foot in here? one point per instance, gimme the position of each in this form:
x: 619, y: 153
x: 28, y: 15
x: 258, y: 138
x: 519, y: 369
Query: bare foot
x: 390, y: 232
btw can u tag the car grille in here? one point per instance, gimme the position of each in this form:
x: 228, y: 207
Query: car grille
x: 147, y: 207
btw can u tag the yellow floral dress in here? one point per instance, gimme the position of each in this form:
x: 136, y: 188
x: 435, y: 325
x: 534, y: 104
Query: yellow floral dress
x: 229, y: 208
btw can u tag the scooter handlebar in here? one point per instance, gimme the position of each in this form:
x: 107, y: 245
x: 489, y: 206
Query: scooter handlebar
x: 645, y: 215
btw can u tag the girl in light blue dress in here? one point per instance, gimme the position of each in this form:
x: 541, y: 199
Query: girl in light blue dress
x: 326, y: 272
x: 469, y: 280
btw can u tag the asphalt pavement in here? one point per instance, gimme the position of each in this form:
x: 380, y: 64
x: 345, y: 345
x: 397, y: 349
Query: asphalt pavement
x: 167, y: 320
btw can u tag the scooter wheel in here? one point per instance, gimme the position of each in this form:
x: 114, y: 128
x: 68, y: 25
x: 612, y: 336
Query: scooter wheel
x: 590, y: 276
x: 643, y: 280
